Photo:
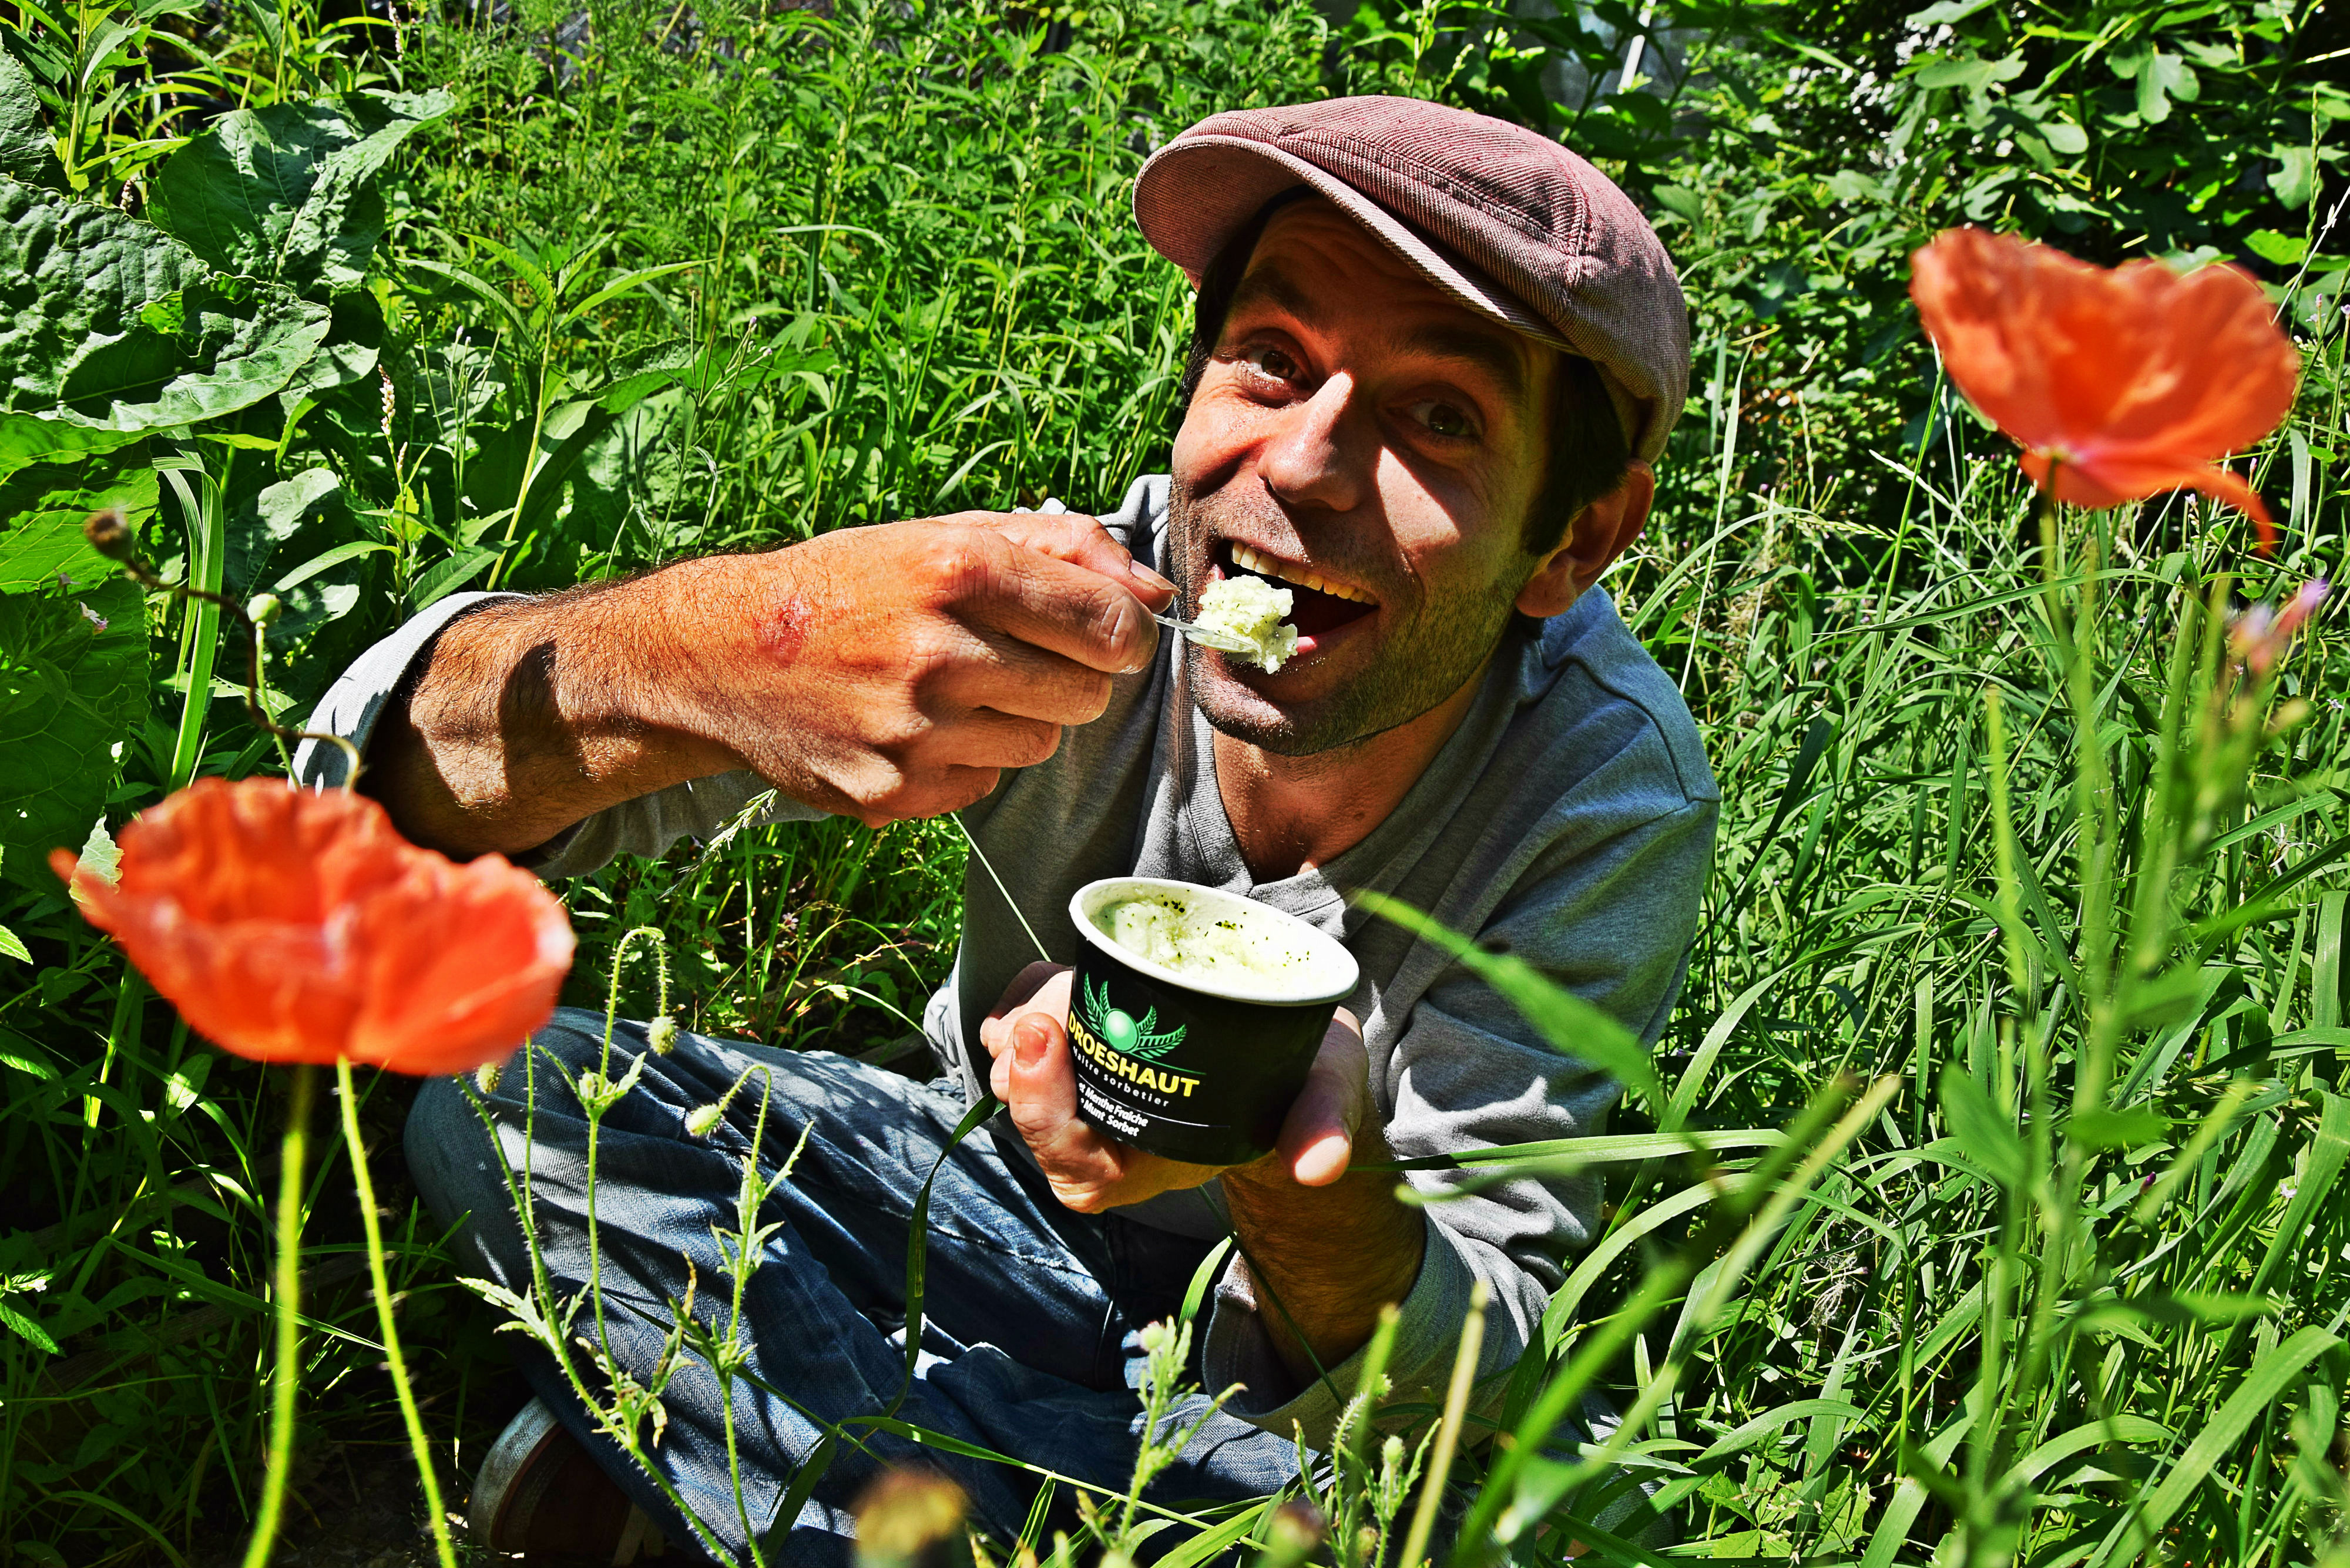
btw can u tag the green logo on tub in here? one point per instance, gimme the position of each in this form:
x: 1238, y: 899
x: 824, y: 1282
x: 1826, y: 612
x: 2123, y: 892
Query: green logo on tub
x: 1125, y: 1047
x: 1117, y: 1028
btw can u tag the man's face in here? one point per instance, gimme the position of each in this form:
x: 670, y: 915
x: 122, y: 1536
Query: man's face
x: 1375, y: 447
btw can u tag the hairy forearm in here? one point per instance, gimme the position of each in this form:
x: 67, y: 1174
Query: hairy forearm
x: 533, y: 715
x: 1326, y: 1259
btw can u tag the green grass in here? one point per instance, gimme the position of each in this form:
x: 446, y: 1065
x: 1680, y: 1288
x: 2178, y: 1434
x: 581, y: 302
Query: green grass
x: 916, y: 288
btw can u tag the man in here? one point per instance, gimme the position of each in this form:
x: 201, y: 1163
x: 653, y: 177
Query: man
x: 1433, y: 355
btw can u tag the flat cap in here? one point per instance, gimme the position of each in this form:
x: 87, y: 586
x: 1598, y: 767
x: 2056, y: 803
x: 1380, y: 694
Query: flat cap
x: 1509, y: 223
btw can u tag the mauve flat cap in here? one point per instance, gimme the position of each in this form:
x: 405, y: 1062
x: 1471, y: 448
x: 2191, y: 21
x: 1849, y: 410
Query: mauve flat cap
x: 1510, y: 223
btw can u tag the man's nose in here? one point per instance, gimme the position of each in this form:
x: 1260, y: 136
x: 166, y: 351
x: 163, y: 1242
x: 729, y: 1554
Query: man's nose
x: 1323, y: 449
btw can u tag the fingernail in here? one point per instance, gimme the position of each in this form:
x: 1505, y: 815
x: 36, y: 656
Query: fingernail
x: 1029, y: 1040
x: 1144, y: 574
x: 1134, y: 627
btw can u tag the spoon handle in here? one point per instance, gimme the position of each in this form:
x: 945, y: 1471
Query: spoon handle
x: 1223, y: 641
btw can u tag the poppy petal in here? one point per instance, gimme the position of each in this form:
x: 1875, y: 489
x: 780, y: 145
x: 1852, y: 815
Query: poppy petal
x: 2135, y: 379
x: 289, y: 926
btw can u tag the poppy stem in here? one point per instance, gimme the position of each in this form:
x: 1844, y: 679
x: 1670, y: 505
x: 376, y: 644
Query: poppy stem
x: 378, y: 1279
x: 293, y: 1157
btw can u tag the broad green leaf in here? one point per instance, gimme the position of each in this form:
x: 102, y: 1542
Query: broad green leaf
x: 2063, y: 136
x: 70, y: 690
x: 1681, y: 200
x: 110, y: 327
x: 2281, y: 250
x: 25, y: 151
x: 21, y: 1053
x: 2160, y: 78
x: 100, y: 856
x: 273, y: 517
x: 17, y: 1323
x: 43, y: 505
x: 331, y: 558
x: 2294, y: 180
x: 1975, y: 75
x: 449, y: 576
x: 287, y: 193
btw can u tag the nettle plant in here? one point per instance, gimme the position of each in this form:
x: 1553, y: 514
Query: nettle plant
x: 227, y: 368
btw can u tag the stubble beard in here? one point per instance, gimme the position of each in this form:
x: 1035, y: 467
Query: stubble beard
x: 1426, y: 658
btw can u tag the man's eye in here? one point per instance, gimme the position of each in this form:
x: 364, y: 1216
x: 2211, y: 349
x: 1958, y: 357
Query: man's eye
x: 1270, y: 361
x: 1443, y: 419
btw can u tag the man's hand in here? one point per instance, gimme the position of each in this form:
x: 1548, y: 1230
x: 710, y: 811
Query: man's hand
x: 1036, y: 1077
x: 1328, y: 1247
x: 881, y: 672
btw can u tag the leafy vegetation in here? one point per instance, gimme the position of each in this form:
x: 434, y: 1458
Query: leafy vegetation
x: 361, y: 312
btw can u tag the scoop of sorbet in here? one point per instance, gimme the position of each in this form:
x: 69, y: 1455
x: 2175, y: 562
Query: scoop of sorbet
x: 1254, y: 611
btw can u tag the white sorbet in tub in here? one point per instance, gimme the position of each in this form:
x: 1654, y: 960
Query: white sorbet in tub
x: 1255, y: 611
x: 1201, y: 942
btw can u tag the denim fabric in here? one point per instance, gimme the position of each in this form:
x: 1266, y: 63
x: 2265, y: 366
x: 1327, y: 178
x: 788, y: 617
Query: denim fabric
x: 1031, y: 1312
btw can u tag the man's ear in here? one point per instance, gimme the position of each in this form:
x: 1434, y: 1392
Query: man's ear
x: 1600, y: 531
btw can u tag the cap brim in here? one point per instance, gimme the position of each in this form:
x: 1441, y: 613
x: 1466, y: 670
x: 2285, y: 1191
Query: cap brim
x: 1195, y: 193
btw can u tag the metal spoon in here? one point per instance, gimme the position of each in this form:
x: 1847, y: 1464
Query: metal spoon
x: 1222, y: 641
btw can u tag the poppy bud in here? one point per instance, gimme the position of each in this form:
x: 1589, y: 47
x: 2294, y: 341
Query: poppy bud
x: 486, y: 1077
x: 661, y: 1034
x: 263, y: 609
x: 702, y: 1120
x: 108, y: 533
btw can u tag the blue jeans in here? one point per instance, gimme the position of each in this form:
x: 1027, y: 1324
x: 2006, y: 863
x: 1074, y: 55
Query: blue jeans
x: 1031, y: 1313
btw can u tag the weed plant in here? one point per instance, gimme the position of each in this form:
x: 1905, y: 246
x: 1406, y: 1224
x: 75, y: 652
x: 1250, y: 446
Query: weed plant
x: 2016, y: 1034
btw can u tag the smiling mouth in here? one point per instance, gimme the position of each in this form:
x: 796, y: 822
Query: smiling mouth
x: 1318, y: 607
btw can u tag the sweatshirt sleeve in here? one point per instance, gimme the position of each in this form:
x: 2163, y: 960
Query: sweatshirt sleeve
x: 646, y: 826
x: 1614, y: 924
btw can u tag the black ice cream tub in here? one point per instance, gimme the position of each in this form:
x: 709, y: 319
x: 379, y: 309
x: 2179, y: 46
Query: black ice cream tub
x: 1192, y: 1036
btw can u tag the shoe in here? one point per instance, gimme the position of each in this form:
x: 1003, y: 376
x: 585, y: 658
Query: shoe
x: 544, y: 1497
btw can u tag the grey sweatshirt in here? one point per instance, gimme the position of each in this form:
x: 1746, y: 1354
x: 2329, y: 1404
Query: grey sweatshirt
x: 1569, y: 820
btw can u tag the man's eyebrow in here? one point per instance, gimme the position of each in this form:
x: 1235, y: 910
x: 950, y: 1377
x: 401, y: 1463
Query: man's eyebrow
x: 1271, y: 285
x: 1485, y: 350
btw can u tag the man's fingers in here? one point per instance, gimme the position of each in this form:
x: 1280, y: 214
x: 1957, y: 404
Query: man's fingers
x: 1040, y: 987
x: 990, y: 740
x: 1014, y: 677
x: 1082, y: 541
x: 1066, y: 609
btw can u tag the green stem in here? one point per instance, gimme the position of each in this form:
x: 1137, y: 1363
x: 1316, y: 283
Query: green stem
x: 530, y: 467
x: 1448, y: 1430
x: 207, y: 565
x: 378, y: 1278
x: 293, y: 1156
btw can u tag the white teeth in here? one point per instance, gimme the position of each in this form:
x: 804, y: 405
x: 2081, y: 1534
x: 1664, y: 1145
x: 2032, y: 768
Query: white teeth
x: 1255, y: 560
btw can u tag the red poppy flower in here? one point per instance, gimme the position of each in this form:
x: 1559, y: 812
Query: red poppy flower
x: 289, y: 926
x: 2129, y: 381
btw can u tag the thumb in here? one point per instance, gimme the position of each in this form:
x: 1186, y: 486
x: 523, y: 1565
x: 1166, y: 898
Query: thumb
x: 1040, y: 1074
x: 1317, y: 1137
